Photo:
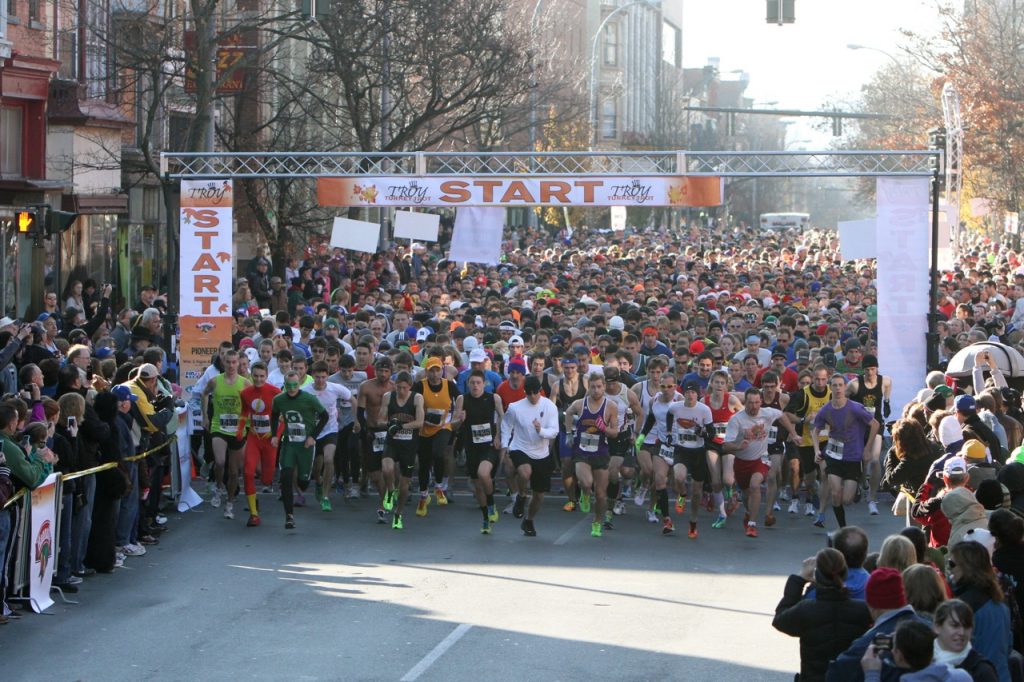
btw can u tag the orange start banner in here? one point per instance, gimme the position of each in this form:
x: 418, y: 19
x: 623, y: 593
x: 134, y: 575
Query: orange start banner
x: 206, y: 275
x: 637, y: 191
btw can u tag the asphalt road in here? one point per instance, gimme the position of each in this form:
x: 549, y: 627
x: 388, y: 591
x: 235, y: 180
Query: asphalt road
x: 342, y: 598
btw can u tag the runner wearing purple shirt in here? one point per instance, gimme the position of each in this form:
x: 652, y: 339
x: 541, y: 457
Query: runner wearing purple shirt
x: 850, y: 425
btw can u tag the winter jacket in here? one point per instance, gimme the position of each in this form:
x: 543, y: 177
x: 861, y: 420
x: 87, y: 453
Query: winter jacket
x: 1009, y: 561
x: 978, y: 667
x: 993, y: 633
x: 26, y: 470
x: 825, y: 625
x: 846, y: 666
x: 964, y: 513
x: 909, y: 472
x: 936, y: 672
x: 927, y: 510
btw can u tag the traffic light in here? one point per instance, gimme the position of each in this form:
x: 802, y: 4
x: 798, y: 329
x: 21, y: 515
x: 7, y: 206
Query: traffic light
x: 58, y: 222
x: 27, y: 222
x: 781, y: 12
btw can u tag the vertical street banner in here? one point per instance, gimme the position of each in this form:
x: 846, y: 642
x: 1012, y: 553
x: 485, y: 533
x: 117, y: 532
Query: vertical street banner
x: 206, y: 274
x: 42, y: 543
x: 903, y: 234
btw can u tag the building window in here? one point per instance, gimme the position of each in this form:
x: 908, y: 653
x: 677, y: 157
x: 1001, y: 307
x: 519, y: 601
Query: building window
x: 33, y: 12
x: 609, y: 119
x: 67, y: 50
x: 12, y: 133
x: 12, y: 8
x: 671, y: 44
x: 611, y: 44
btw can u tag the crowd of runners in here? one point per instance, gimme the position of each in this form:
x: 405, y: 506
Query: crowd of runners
x: 701, y: 377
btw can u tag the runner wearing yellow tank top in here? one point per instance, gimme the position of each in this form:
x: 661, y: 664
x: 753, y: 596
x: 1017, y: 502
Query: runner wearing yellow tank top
x: 222, y: 405
x: 805, y: 404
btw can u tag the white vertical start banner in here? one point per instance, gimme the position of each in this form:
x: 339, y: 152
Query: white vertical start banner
x: 206, y: 273
x: 903, y: 270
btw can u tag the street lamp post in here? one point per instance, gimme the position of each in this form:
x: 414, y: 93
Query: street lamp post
x: 653, y: 4
x: 534, y: 24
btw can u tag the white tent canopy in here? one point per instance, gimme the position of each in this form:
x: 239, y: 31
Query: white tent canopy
x: 1008, y: 359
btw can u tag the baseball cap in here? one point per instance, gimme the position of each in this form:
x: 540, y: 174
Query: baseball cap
x: 331, y: 323
x: 123, y: 393
x: 423, y: 333
x: 691, y: 385
x: 965, y: 403
x: 954, y: 465
x: 778, y: 353
x: 148, y: 371
x: 973, y: 449
x: 103, y: 353
x: 803, y: 356
x: 477, y: 355
x: 434, y: 362
x: 515, y: 340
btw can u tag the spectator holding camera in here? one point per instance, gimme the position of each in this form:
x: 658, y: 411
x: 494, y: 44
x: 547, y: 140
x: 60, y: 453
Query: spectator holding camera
x: 827, y: 624
x: 912, y: 650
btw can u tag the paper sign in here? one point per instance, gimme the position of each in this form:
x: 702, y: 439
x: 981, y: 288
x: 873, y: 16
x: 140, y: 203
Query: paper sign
x: 477, y: 235
x: 857, y: 239
x: 619, y: 218
x: 419, y: 227
x: 357, y: 235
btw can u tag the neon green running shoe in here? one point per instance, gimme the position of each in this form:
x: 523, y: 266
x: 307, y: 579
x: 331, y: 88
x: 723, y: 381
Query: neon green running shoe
x: 396, y: 523
x: 595, y: 530
x: 585, y: 503
x: 389, y: 500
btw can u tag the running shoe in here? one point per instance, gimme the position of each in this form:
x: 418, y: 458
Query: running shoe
x: 569, y: 506
x: 666, y: 526
x: 652, y: 516
x: 300, y: 500
x: 640, y: 497
x: 585, y: 503
x: 353, y: 492
x: 872, y: 507
x: 396, y: 523
x: 229, y: 510
x: 819, y: 522
x: 784, y: 495
x: 382, y: 516
x: 794, y: 506
x: 776, y: 507
x: 619, y: 508
x: 680, y: 505
x: 509, y: 507
x: 485, y: 527
x: 253, y: 521
x: 720, y: 521
x: 289, y: 522
x: 692, y: 534
x: 267, y: 490
x: 608, y: 521
x: 325, y: 504
x: 119, y: 561
x: 527, y: 528
x: 595, y: 529
x: 492, y: 514
x: 421, y: 508
x: 732, y: 504
x: 809, y: 510
x: 519, y: 507
x: 769, y: 520
x: 442, y: 498
x: 751, y: 530
x: 160, y: 520
x: 627, y: 491
x: 133, y: 550
x: 389, y: 500
x: 215, y: 498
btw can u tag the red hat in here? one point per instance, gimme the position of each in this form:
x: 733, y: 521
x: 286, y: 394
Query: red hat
x: 821, y: 330
x: 885, y: 589
x: 697, y: 347
x: 650, y: 330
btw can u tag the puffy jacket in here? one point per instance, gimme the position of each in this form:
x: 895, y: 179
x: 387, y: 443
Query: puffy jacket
x: 964, y: 513
x: 825, y: 625
x: 846, y: 666
x: 928, y: 510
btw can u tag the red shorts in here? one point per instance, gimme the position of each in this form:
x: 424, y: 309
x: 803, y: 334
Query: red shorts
x: 745, y: 469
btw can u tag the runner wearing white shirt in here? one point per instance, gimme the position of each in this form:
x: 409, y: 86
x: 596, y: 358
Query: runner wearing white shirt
x: 658, y: 441
x: 690, y: 421
x: 347, y: 457
x: 330, y: 396
x: 527, y: 430
x: 747, y: 436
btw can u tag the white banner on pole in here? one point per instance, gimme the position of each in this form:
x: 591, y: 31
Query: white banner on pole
x: 419, y: 227
x: 188, y: 498
x: 903, y: 251
x: 42, y: 543
x: 857, y: 239
x: 357, y: 235
x: 619, y: 218
x: 477, y: 235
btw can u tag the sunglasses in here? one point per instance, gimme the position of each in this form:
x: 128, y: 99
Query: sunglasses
x: 950, y: 563
x: 664, y: 386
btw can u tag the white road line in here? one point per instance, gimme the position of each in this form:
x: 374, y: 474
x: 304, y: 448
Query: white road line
x: 437, y: 652
x: 567, y: 535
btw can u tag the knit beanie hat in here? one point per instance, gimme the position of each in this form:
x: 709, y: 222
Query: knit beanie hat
x: 517, y: 365
x: 885, y: 589
x: 990, y: 494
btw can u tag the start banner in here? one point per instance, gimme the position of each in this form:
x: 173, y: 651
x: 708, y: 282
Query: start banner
x: 678, y: 191
x: 42, y: 543
x: 206, y: 278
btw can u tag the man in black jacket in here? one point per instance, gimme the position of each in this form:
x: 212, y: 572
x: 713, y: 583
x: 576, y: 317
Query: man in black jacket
x: 967, y: 414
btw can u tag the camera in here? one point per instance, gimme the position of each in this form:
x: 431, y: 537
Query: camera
x: 882, y: 642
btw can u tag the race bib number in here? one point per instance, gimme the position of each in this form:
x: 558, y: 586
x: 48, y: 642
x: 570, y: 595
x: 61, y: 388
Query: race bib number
x: 834, y: 449
x: 403, y: 434
x: 720, y: 429
x: 589, y: 442
x: 667, y: 453
x: 228, y: 422
x: 379, y: 440
x: 689, y: 438
x: 296, y: 432
x: 260, y: 423
x: 773, y: 434
x: 481, y: 433
x: 197, y: 418
x: 434, y: 417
